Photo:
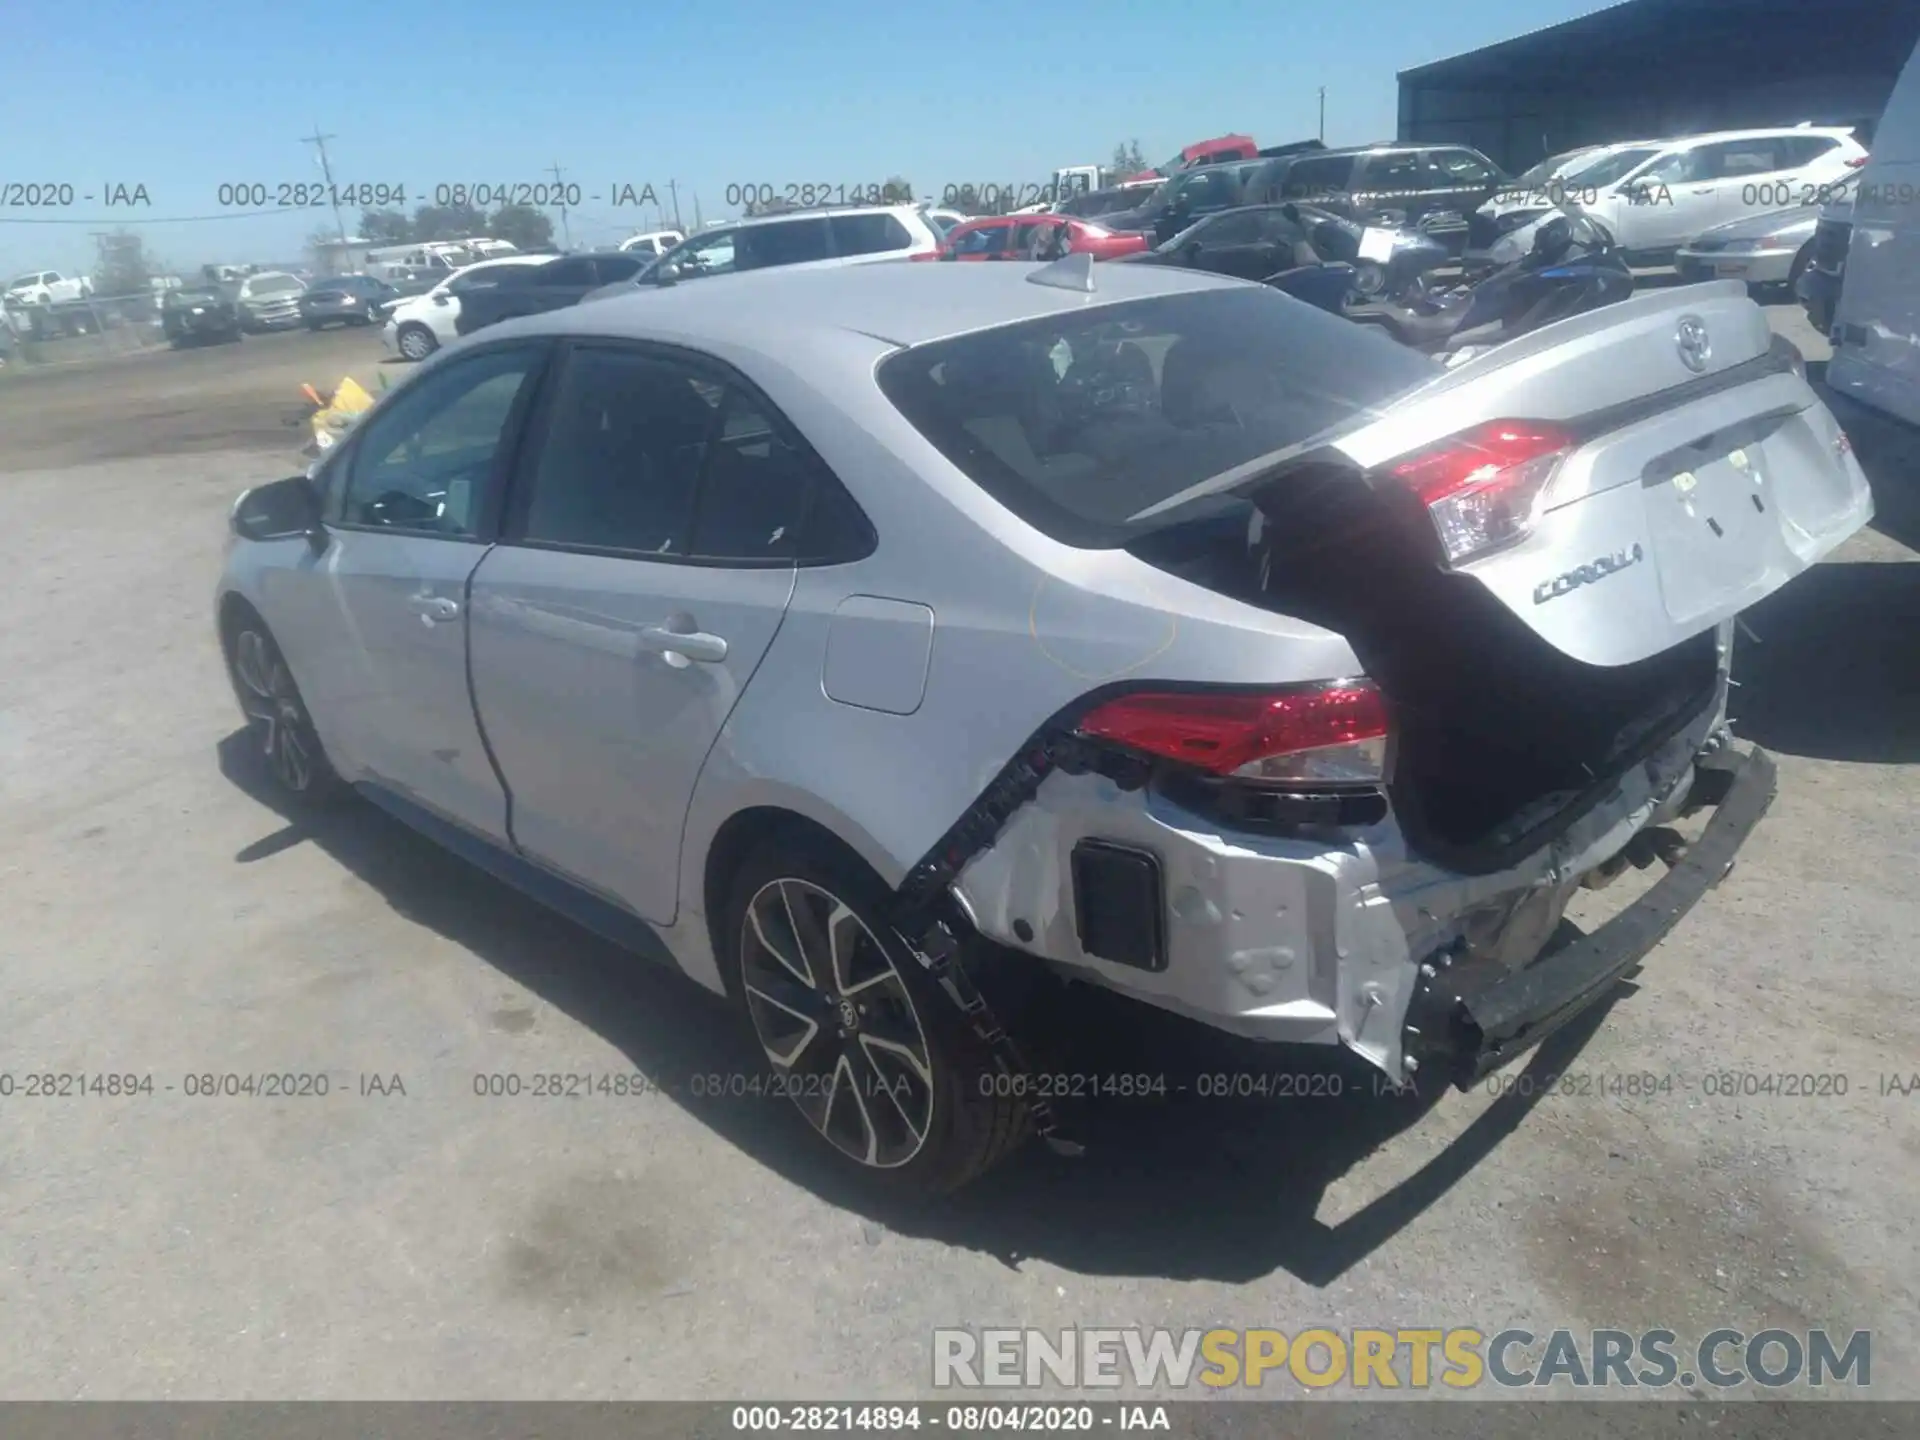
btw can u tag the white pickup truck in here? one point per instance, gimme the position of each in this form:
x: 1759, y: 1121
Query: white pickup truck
x: 48, y: 287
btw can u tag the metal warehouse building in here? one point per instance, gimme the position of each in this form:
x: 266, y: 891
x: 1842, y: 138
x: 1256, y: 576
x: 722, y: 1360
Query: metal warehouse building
x: 1665, y: 67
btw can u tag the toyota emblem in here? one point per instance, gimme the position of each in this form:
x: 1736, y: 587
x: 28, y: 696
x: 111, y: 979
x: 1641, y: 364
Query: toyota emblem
x: 1696, y: 347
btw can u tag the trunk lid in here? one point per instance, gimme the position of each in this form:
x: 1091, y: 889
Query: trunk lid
x: 1704, y: 473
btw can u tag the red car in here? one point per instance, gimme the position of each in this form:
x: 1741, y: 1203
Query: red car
x: 1031, y: 237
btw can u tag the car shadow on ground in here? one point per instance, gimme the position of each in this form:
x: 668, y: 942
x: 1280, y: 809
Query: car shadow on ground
x: 1181, y: 1184
x: 1826, y: 666
x: 1889, y: 451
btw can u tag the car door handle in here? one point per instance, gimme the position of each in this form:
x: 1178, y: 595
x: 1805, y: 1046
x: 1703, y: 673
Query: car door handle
x: 433, y: 608
x: 692, y: 644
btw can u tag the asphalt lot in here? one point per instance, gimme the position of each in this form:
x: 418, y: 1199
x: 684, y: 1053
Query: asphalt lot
x: 162, y: 920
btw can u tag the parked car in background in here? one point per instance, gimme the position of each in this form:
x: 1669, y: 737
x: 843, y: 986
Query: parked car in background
x: 1098, y: 204
x: 346, y: 300
x: 197, y: 312
x: 1429, y: 188
x: 942, y: 219
x: 1170, y: 636
x: 1875, y: 314
x: 1189, y: 196
x: 554, y: 285
x: 1693, y: 185
x: 1820, y: 283
x: 1535, y: 195
x: 821, y: 239
x: 1028, y: 237
x: 419, y: 325
x: 1257, y: 242
x: 48, y: 287
x: 269, y: 300
x: 653, y: 243
x: 1763, y: 250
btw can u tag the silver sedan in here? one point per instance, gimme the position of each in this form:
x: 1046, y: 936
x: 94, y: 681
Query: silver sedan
x: 1760, y: 250
x: 869, y: 634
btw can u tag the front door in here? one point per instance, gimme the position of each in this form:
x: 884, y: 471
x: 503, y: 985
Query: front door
x: 404, y: 541
x: 646, y: 563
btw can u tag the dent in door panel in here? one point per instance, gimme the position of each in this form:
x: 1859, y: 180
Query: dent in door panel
x: 878, y: 653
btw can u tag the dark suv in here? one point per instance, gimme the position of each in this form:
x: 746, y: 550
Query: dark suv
x: 1191, y: 195
x: 1430, y: 188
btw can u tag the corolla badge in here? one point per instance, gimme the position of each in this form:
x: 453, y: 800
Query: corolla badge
x: 1587, y: 574
x: 1695, y: 345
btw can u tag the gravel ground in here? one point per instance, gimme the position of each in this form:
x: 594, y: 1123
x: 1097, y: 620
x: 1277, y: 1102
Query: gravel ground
x: 162, y: 920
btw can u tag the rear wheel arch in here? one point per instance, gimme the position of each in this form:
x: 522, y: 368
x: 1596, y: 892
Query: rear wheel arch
x: 742, y: 835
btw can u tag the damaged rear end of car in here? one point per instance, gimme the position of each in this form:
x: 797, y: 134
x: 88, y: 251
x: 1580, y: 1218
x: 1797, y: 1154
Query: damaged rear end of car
x: 1536, y: 560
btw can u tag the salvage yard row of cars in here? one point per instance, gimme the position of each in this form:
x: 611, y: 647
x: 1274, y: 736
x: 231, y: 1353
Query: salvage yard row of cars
x: 1103, y: 616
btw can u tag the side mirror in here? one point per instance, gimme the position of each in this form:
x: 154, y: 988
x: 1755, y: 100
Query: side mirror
x: 280, y: 510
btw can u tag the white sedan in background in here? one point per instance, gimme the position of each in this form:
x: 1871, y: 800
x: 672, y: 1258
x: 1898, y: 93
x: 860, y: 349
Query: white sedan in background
x: 421, y: 324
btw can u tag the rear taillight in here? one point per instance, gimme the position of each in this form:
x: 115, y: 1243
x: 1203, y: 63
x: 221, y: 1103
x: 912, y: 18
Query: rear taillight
x: 1482, y: 488
x: 1858, y: 161
x: 1331, y: 734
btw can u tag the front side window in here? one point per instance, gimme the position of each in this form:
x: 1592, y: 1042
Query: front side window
x: 1463, y: 167
x: 621, y: 460
x: 1400, y: 173
x: 784, y: 242
x: 985, y: 240
x: 575, y: 271
x: 705, y: 255
x: 609, y: 269
x: 422, y: 462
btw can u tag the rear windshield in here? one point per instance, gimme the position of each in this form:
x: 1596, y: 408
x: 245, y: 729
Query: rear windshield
x: 1076, y: 422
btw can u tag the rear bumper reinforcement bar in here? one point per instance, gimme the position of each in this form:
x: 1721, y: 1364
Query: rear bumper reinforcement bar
x: 1481, y: 1027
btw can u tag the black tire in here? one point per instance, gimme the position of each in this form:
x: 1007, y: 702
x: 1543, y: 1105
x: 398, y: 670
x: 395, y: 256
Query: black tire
x: 292, y: 758
x: 915, y: 1054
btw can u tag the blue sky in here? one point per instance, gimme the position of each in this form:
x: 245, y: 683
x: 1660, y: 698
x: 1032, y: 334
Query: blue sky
x: 186, y: 95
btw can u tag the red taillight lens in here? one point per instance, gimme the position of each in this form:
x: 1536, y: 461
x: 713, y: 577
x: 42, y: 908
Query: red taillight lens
x: 1321, y: 734
x: 1482, y: 488
x: 1858, y: 161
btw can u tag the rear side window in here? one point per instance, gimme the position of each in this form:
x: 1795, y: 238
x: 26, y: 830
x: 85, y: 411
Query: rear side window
x: 867, y: 234
x: 1078, y: 421
x: 788, y: 242
x: 621, y: 459
x: 1319, y: 176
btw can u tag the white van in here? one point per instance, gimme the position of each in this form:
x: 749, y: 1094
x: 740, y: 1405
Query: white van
x: 1876, y: 324
x: 422, y: 259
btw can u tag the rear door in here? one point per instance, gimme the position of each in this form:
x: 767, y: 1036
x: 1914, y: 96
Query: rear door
x: 407, y: 526
x: 644, y: 568
x: 1686, y: 494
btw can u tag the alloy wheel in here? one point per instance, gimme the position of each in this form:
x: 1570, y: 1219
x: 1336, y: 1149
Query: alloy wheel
x: 415, y: 344
x: 837, y: 1022
x: 271, y: 701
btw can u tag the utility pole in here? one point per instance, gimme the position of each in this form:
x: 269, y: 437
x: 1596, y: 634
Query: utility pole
x: 319, y: 142
x: 566, y: 234
x: 673, y: 189
x: 1323, y: 114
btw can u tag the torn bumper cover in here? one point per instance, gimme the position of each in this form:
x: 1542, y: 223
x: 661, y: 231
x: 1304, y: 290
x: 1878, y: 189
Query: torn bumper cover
x: 1472, y: 1019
